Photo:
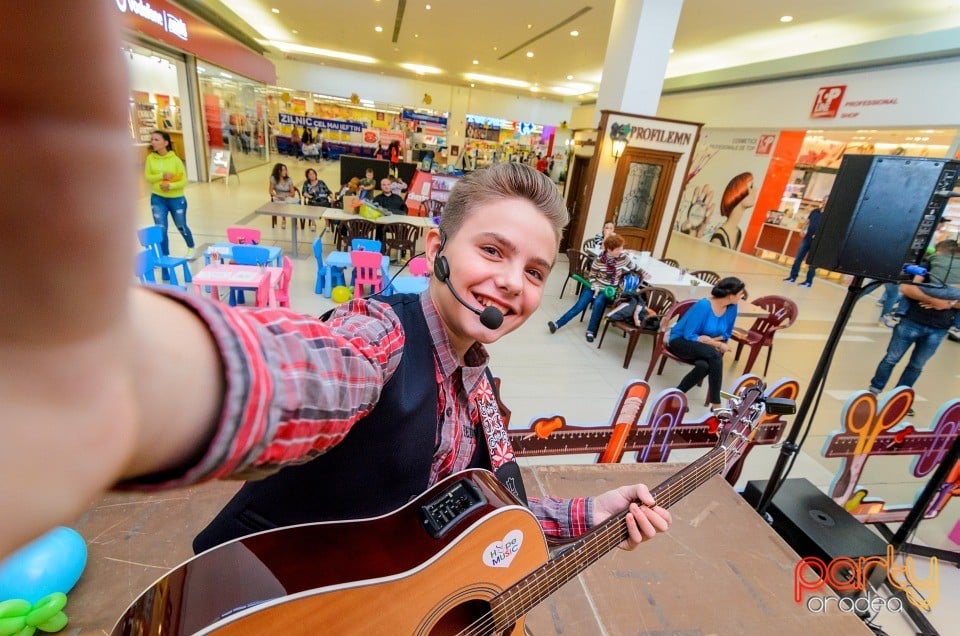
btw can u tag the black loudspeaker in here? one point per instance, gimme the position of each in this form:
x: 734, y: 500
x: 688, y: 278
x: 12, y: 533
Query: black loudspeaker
x: 882, y: 213
x: 814, y: 524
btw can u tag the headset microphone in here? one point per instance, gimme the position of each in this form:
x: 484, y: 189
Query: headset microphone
x: 490, y: 317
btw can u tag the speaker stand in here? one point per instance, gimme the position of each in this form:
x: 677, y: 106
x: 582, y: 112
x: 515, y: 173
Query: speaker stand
x: 789, y: 448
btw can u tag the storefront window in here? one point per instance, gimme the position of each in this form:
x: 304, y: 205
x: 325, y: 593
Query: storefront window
x: 234, y: 113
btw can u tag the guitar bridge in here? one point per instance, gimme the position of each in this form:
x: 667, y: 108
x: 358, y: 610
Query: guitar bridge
x: 443, y: 511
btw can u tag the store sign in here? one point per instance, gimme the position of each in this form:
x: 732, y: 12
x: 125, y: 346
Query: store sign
x: 168, y: 21
x: 525, y: 127
x: 479, y: 131
x: 289, y: 119
x: 826, y: 105
x: 412, y: 115
x: 638, y: 133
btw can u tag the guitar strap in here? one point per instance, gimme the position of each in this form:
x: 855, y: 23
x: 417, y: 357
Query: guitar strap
x: 502, y: 459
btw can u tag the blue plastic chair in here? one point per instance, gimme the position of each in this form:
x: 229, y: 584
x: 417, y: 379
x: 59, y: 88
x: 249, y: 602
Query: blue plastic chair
x: 247, y: 255
x: 369, y: 245
x: 336, y: 273
x: 145, y: 264
x: 150, y: 238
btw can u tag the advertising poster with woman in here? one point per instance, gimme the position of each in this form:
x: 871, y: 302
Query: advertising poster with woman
x: 721, y: 188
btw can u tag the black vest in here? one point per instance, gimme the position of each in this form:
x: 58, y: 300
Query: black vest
x: 379, y: 466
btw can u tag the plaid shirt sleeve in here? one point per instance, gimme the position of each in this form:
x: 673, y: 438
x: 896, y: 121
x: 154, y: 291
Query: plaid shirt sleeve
x: 294, y: 385
x: 562, y: 518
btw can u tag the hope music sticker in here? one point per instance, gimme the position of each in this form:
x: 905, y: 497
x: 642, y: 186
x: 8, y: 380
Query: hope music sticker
x: 499, y: 554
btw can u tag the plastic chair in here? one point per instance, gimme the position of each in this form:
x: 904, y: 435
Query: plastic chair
x: 366, y: 244
x: 431, y: 208
x: 150, y: 238
x: 243, y: 235
x: 710, y: 278
x: 671, y: 262
x: 354, y: 228
x: 336, y: 273
x: 660, y: 301
x: 401, y: 237
x: 660, y: 352
x: 782, y: 314
x: 247, y: 255
x: 367, y: 270
x: 145, y: 264
x: 283, y: 290
x: 579, y: 264
x: 417, y: 281
x: 591, y: 243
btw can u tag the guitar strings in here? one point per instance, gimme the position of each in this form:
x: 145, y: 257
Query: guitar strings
x: 589, y: 549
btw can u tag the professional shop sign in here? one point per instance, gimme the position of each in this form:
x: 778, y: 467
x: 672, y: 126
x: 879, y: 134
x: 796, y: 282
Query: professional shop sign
x: 166, y: 20
x: 630, y: 132
x: 336, y: 125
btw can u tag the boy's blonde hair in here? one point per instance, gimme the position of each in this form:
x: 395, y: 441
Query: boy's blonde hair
x: 504, y: 181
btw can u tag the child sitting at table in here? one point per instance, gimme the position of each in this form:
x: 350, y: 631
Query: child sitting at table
x: 606, y: 271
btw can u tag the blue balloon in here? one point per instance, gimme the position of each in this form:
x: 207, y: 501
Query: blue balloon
x: 52, y: 563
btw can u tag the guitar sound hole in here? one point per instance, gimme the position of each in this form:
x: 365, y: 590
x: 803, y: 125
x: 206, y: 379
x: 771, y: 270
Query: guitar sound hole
x: 471, y: 617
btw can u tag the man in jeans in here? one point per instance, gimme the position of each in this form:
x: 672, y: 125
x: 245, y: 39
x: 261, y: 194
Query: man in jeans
x: 813, y: 223
x: 924, y: 326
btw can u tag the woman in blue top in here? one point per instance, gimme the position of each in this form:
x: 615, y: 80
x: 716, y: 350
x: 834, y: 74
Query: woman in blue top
x: 700, y: 336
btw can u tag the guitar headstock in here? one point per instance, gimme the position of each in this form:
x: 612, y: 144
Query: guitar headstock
x: 740, y: 419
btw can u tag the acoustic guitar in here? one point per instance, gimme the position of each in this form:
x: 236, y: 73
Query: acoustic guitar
x: 462, y: 558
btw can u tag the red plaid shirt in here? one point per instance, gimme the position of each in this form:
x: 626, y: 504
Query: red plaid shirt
x: 296, y: 385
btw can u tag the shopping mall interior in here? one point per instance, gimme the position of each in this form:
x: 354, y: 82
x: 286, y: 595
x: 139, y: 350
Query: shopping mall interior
x: 461, y: 88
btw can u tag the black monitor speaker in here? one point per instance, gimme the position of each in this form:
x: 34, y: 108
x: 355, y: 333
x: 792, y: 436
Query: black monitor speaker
x: 881, y: 214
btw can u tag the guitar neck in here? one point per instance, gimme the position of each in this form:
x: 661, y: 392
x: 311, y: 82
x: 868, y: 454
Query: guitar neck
x: 527, y: 593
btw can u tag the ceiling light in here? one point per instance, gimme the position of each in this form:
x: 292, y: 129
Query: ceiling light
x: 529, y: 26
x: 671, y: 50
x: 472, y: 85
x: 572, y: 88
x: 420, y: 68
x: 378, y: 29
x: 428, y: 7
x: 569, y: 77
x: 529, y: 53
x: 491, y: 79
x: 294, y: 31
x: 786, y: 18
x: 534, y: 89
x: 416, y: 35
x: 476, y: 61
x: 574, y: 33
x: 275, y: 10
x: 494, y: 48
x: 289, y: 47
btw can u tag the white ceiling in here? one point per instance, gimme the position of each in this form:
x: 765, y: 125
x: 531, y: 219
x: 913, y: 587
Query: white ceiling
x: 716, y: 41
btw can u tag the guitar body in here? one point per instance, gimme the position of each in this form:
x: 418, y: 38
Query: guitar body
x: 386, y: 575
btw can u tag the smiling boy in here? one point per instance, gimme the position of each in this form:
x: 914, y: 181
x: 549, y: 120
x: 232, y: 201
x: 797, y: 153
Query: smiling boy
x: 90, y: 365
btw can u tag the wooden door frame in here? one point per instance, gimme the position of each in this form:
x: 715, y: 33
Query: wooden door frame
x: 576, y: 196
x: 668, y: 162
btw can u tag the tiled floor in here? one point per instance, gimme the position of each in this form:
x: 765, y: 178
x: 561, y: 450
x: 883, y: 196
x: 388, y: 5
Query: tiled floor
x: 562, y: 373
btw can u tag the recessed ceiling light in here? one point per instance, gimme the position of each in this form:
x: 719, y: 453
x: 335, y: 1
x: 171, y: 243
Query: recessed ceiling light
x: 275, y: 10
x: 494, y: 48
x: 294, y: 31
x: 420, y: 69
x: 476, y: 61
x: 574, y: 33
x: 416, y: 35
x: 428, y: 7
x: 472, y: 84
x: 378, y: 29
x: 534, y: 89
x: 491, y: 79
x: 786, y: 18
x: 529, y: 26
x: 529, y: 53
x: 289, y: 47
x: 569, y: 77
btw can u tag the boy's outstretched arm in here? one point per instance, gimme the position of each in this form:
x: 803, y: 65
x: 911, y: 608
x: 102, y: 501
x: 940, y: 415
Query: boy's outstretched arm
x: 97, y: 380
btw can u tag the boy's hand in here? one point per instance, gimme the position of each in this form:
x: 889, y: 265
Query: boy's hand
x: 643, y: 521
x: 65, y: 391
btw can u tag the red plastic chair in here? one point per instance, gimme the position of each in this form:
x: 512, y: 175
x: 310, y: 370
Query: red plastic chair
x: 660, y: 352
x: 283, y: 290
x: 243, y: 235
x: 782, y: 313
x: 367, y: 270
